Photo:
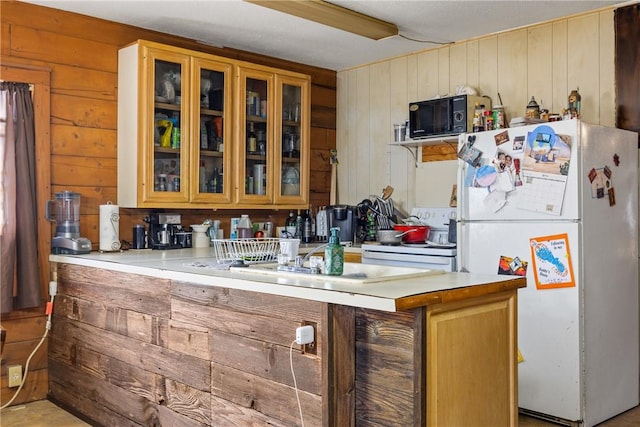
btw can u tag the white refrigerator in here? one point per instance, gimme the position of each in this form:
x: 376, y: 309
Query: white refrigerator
x: 561, y: 207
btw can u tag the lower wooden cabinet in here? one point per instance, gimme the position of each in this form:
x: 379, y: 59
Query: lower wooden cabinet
x: 472, y: 362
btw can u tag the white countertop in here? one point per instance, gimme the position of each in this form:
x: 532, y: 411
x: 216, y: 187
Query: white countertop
x: 173, y: 264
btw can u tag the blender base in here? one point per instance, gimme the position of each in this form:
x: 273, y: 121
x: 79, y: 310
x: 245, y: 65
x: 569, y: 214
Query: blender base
x: 71, y: 246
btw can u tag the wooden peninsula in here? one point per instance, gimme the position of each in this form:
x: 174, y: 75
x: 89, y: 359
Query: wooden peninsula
x: 146, y: 338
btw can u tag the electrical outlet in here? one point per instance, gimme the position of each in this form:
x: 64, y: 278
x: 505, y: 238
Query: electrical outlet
x: 309, y: 334
x: 15, y: 375
x: 304, y: 334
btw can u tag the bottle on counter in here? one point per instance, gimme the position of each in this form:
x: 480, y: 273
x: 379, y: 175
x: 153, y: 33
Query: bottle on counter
x: 245, y: 228
x: 307, y: 229
x: 290, y: 225
x: 298, y: 233
x: 334, y: 254
x: 312, y: 213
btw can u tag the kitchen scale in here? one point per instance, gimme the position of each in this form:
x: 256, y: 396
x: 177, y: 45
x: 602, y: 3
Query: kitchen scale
x: 66, y: 214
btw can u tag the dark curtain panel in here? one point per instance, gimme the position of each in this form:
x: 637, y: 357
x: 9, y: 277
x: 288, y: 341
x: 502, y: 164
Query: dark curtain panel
x: 20, y: 286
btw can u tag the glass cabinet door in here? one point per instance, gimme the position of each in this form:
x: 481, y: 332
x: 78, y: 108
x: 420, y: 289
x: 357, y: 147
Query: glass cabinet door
x: 254, y: 180
x: 167, y: 126
x: 292, y: 152
x: 212, y: 132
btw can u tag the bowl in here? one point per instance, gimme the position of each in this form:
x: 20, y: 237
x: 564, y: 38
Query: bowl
x: 200, y: 228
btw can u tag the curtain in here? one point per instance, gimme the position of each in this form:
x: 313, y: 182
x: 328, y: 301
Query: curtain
x: 20, y: 273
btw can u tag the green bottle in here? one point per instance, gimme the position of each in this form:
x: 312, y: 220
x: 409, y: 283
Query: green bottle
x: 334, y: 254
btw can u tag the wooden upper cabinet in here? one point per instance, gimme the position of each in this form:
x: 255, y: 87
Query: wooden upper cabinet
x: 273, y: 145
x: 196, y: 130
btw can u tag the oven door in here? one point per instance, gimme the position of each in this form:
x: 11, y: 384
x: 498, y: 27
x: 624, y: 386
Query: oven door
x: 432, y: 262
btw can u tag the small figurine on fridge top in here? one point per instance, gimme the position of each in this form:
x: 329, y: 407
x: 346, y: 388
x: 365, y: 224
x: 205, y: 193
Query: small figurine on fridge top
x: 573, y: 105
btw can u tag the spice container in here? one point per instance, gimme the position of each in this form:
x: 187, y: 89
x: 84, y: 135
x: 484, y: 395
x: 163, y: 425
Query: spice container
x: 488, y: 120
x: 498, y: 117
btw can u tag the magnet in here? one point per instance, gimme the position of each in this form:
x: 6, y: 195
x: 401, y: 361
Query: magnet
x: 592, y: 174
x: 512, y: 266
x: 616, y: 159
x: 486, y: 175
x: 518, y: 143
x: 600, y: 193
x: 501, y: 138
x: 470, y: 154
x: 607, y: 172
x: 612, y: 197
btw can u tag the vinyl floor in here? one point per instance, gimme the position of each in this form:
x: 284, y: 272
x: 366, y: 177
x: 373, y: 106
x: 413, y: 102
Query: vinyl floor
x: 45, y: 414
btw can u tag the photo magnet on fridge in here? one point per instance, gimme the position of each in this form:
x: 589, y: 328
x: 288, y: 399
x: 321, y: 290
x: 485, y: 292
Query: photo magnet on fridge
x: 501, y: 138
x: 470, y: 154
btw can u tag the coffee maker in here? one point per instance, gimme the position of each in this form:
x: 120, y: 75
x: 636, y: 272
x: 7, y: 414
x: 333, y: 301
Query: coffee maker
x: 66, y: 214
x: 344, y: 217
x: 163, y: 229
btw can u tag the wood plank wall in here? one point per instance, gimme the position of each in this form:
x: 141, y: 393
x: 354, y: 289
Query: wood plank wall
x: 137, y: 350
x: 546, y: 61
x: 81, y: 53
x: 628, y: 67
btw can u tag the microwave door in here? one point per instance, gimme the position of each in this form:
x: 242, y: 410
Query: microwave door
x: 442, y: 117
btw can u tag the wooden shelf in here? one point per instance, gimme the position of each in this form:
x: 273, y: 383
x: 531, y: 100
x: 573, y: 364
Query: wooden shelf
x: 451, y: 143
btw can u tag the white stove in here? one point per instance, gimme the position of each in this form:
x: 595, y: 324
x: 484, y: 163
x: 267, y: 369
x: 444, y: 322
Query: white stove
x: 437, y: 253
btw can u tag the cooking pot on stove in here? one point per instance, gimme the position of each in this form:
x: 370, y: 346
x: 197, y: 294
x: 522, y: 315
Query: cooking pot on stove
x: 415, y: 233
x: 391, y: 237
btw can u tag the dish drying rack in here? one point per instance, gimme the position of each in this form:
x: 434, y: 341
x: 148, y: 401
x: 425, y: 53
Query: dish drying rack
x: 246, y: 251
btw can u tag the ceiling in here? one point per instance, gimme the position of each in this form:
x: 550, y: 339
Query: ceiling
x: 249, y: 27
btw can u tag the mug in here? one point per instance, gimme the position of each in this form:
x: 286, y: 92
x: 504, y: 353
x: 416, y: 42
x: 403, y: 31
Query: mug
x: 138, y: 241
x: 290, y: 247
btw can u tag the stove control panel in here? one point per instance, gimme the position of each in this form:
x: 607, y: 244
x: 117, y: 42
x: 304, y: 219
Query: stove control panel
x: 436, y: 218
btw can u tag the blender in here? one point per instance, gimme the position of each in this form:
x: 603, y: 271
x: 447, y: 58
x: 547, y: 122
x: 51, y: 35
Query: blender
x: 66, y: 214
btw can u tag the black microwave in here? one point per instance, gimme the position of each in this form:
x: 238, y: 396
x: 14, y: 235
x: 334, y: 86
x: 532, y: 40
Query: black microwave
x: 444, y: 116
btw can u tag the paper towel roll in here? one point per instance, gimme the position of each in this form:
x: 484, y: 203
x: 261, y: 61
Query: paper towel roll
x: 109, y: 226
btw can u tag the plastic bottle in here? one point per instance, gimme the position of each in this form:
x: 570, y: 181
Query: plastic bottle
x: 334, y: 254
x: 245, y: 228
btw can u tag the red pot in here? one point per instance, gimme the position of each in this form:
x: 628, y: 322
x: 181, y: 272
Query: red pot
x: 416, y: 234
